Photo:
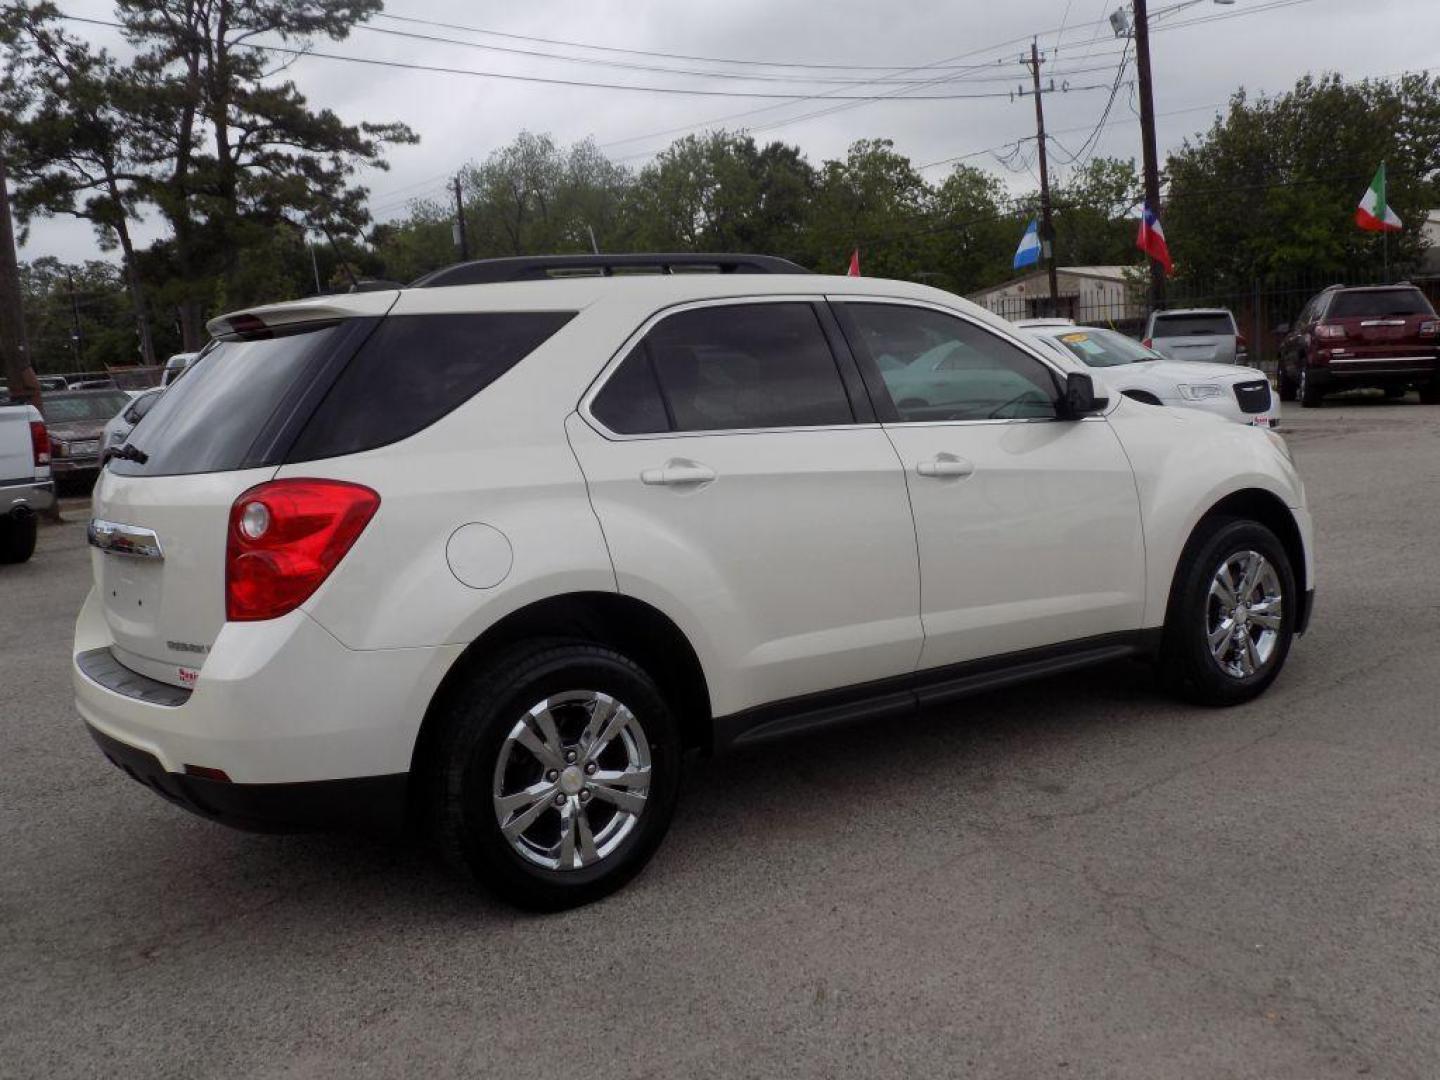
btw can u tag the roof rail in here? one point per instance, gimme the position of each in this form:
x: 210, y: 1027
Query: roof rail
x: 546, y: 267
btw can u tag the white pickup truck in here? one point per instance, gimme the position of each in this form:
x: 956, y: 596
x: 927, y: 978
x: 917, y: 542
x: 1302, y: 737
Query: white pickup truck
x: 25, y: 484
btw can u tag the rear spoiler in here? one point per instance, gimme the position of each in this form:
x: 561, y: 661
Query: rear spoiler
x: 320, y: 309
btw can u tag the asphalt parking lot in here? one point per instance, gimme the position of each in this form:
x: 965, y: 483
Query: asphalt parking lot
x: 1078, y: 878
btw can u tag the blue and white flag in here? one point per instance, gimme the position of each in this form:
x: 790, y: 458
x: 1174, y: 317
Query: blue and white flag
x: 1028, y: 253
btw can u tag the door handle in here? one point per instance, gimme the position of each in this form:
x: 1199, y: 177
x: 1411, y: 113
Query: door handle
x: 678, y: 472
x: 945, y: 465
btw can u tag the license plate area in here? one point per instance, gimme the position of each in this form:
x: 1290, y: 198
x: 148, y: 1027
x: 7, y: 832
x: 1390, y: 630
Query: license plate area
x: 133, y: 590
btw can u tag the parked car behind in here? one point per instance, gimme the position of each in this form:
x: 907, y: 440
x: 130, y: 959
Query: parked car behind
x: 1241, y: 394
x: 118, y: 429
x: 25, y: 485
x: 76, y: 419
x: 1208, y: 335
x: 1385, y: 337
x: 176, y: 365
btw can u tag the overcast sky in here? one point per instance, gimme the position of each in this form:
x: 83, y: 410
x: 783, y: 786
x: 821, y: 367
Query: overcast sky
x: 461, y: 117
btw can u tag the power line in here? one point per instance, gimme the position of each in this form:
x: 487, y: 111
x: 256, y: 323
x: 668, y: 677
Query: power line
x: 630, y: 65
x: 670, y: 55
x: 583, y: 84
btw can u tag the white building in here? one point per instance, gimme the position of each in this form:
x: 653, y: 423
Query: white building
x: 1093, y: 294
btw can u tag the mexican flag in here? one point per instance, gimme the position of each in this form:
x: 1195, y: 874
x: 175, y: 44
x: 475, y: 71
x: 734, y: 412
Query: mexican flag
x: 1373, y: 214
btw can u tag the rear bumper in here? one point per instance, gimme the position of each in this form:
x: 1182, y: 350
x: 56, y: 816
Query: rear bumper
x: 67, y: 466
x: 1375, y: 371
x: 281, y: 707
x: 366, y: 803
x: 29, y: 495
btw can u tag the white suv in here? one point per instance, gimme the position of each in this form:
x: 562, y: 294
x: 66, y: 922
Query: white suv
x: 490, y: 553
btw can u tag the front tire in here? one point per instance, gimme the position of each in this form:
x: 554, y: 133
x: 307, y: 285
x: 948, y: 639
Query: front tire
x: 1430, y: 394
x: 1232, y: 613
x: 17, y: 539
x: 555, y: 774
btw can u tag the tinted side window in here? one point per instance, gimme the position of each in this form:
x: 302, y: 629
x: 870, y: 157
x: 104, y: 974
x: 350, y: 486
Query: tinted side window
x: 939, y: 367
x: 630, y: 402
x: 413, y: 370
x: 747, y: 366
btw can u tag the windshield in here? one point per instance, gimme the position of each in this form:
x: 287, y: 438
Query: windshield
x: 64, y: 410
x: 1105, y: 348
x: 1379, y: 302
x: 1218, y: 322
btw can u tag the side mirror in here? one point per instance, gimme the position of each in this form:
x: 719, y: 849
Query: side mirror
x: 1080, y: 399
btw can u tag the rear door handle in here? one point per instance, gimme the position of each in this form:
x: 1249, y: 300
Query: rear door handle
x: 678, y: 472
x: 945, y: 465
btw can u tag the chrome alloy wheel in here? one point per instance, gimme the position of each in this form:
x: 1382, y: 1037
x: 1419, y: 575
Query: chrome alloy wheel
x: 1244, y: 613
x: 571, y: 780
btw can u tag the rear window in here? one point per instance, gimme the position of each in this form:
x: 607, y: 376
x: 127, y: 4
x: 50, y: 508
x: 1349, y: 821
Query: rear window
x: 1185, y: 325
x: 1379, y: 302
x: 218, y: 416
x: 413, y: 370
x: 100, y: 407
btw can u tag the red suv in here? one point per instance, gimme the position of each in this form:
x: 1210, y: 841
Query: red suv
x: 1385, y: 336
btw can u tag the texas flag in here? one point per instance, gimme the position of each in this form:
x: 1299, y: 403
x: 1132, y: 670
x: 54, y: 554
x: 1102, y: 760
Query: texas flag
x: 1151, y: 239
x: 1028, y: 253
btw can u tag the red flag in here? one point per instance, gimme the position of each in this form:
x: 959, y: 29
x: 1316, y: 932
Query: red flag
x: 1151, y: 239
x: 854, y: 270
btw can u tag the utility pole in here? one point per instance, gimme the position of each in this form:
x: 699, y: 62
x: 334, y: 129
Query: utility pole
x: 461, y: 239
x: 1047, y: 229
x: 1147, y: 140
x: 76, y: 336
x: 14, y: 352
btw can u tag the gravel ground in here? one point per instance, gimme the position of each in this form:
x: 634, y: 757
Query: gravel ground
x: 1078, y: 878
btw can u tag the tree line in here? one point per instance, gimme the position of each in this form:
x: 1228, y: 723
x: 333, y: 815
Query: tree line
x: 257, y: 188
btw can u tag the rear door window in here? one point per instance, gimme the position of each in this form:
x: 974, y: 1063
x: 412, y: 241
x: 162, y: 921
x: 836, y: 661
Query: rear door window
x: 1379, y: 302
x: 727, y: 367
x: 415, y: 369
x: 1217, y: 323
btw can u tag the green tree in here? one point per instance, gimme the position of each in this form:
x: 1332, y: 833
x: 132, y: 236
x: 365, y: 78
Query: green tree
x: 76, y: 145
x: 232, y: 153
x: 1270, y: 190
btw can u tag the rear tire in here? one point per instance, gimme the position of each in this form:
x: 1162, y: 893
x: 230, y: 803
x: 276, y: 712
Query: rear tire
x: 1210, y: 654
x: 1286, y: 385
x: 17, y: 539
x: 1430, y: 395
x: 1310, y: 395
x: 572, y: 746
x: 1394, y: 392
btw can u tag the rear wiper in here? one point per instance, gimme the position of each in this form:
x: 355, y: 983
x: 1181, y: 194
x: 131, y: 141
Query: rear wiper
x: 130, y: 453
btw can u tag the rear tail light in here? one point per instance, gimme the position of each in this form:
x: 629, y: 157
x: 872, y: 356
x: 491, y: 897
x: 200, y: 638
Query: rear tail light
x: 1329, y: 330
x: 1241, y: 343
x: 40, y: 443
x: 285, y: 537
x: 1147, y: 343
x: 1429, y: 328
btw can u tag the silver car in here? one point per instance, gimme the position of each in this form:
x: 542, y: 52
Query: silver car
x: 123, y: 422
x: 1206, y: 334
